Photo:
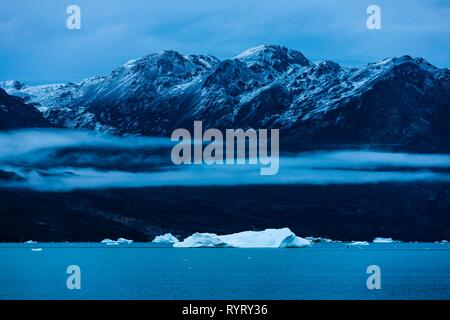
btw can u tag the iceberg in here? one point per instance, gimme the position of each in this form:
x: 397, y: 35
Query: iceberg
x: 201, y: 240
x: 36, y: 249
x: 123, y: 240
x: 30, y: 242
x: 110, y: 242
x: 383, y: 240
x: 165, y: 238
x: 270, y: 238
x: 318, y: 239
x: 358, y: 243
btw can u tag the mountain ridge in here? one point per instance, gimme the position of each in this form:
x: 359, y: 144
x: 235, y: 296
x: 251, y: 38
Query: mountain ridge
x: 398, y: 103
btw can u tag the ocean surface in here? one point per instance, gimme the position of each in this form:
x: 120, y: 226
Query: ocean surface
x: 150, y: 271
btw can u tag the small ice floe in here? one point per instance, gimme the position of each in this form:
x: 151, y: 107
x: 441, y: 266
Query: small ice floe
x: 444, y: 241
x: 318, y: 240
x: 270, y: 238
x: 383, y: 240
x: 30, y: 242
x: 110, y: 242
x: 166, y: 238
x: 123, y: 240
x: 357, y: 244
x: 36, y: 249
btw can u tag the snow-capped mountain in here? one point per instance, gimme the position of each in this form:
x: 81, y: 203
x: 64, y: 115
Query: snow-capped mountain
x: 400, y: 103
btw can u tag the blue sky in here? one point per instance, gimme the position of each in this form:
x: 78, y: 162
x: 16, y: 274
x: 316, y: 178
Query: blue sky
x: 36, y: 46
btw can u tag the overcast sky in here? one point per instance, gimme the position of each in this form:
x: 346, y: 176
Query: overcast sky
x: 36, y: 47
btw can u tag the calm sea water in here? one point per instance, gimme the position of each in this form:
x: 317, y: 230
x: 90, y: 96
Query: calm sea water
x: 147, y: 271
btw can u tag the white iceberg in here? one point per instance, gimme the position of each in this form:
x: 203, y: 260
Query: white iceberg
x: 383, y: 240
x: 36, y: 249
x: 201, y: 240
x: 30, y: 242
x: 318, y: 239
x: 166, y: 238
x: 270, y: 238
x: 123, y: 240
x: 110, y: 242
x: 358, y: 243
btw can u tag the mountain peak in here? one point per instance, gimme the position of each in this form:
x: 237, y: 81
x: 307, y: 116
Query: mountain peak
x: 419, y: 61
x: 261, y: 49
x: 168, y: 63
x: 405, y: 60
x: 11, y: 85
x: 276, y: 56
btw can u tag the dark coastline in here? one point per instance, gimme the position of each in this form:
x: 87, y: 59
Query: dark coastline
x: 407, y: 212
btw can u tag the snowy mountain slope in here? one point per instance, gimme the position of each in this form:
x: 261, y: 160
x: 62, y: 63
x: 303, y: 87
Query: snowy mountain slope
x: 400, y: 103
x: 14, y: 113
